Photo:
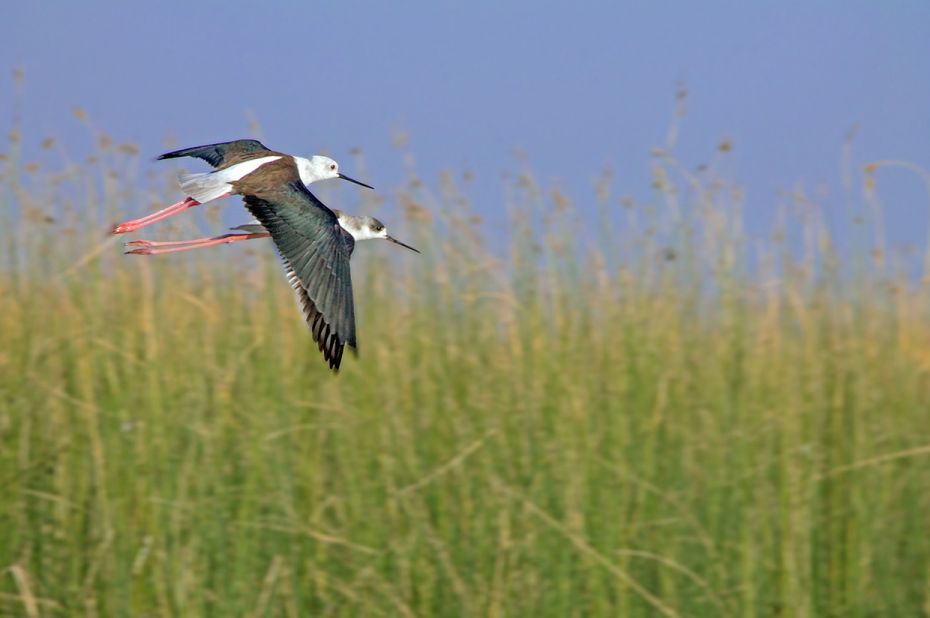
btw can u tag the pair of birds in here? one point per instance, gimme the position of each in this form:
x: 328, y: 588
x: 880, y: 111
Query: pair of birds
x: 315, y: 242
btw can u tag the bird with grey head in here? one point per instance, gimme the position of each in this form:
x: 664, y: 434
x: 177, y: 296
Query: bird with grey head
x: 366, y: 228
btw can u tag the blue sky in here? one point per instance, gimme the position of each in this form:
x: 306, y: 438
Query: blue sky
x: 576, y: 86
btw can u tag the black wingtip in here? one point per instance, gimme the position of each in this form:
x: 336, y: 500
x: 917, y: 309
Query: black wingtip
x: 335, y: 359
x: 170, y: 155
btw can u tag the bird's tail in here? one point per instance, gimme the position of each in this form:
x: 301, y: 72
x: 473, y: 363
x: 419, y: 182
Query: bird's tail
x: 204, y: 187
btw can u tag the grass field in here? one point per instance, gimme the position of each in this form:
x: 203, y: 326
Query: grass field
x: 684, y: 421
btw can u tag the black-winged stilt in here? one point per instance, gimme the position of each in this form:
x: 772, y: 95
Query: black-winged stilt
x: 232, y: 161
x: 315, y: 244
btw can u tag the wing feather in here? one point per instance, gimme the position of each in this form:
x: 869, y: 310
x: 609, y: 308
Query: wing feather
x: 219, y: 155
x: 316, y: 252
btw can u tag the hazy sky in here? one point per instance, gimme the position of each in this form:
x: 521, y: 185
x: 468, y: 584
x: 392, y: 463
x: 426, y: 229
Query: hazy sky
x: 577, y: 86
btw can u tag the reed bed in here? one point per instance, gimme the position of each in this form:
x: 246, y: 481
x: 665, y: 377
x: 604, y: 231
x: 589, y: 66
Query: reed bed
x: 615, y: 408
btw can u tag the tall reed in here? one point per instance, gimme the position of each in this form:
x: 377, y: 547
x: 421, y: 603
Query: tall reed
x: 664, y: 415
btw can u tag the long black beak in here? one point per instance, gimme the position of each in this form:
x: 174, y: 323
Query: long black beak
x: 394, y: 240
x: 344, y: 177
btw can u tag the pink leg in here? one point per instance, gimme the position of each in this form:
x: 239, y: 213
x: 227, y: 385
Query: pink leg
x: 164, y: 213
x: 135, y: 224
x: 184, y: 245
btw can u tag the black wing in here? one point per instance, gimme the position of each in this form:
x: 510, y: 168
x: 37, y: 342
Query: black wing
x: 218, y: 154
x: 316, y: 252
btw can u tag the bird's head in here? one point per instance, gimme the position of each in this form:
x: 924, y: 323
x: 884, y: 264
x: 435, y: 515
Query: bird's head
x: 319, y: 167
x: 367, y: 228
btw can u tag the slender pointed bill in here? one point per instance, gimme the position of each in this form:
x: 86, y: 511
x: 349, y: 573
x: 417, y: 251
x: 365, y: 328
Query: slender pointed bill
x: 344, y: 177
x: 394, y: 240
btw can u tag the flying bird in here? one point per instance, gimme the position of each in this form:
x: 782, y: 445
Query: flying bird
x: 232, y: 161
x: 315, y: 243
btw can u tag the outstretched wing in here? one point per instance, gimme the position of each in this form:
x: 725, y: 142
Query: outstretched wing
x: 223, y: 154
x: 316, y: 252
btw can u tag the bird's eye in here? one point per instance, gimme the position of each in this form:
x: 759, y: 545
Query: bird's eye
x: 332, y: 166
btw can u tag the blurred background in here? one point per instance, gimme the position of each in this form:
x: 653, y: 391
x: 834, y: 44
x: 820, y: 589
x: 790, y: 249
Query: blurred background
x: 479, y: 87
x: 666, y: 351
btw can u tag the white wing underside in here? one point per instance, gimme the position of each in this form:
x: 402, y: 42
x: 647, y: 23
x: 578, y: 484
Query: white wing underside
x: 209, y: 186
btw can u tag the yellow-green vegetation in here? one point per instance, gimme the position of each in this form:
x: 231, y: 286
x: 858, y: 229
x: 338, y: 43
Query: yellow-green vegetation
x: 618, y: 409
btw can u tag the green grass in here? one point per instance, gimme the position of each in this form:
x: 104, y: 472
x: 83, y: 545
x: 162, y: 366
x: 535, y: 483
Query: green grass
x: 686, y: 422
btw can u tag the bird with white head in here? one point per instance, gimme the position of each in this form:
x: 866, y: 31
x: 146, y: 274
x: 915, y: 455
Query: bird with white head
x: 232, y: 161
x: 315, y: 242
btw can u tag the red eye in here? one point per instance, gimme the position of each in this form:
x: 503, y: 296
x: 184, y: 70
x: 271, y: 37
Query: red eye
x: 332, y: 166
